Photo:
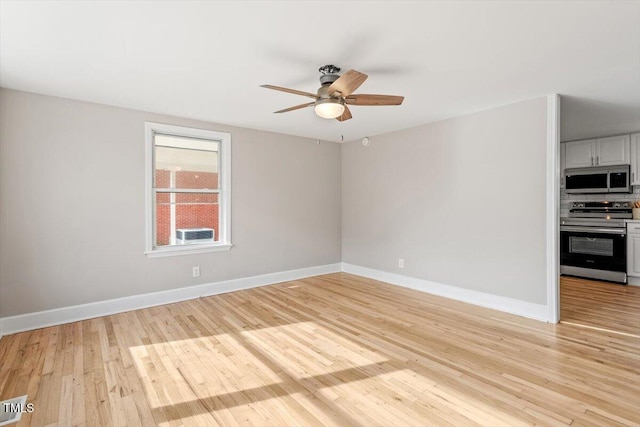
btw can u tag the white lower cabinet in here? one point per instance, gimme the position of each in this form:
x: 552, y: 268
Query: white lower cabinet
x: 633, y: 252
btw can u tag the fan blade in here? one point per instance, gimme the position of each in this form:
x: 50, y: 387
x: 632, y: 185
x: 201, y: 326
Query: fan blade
x: 347, y: 83
x: 297, y: 107
x: 346, y: 115
x: 296, y: 92
x: 374, y: 100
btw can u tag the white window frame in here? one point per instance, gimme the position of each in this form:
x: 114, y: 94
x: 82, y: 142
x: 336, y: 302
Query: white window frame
x: 224, y: 186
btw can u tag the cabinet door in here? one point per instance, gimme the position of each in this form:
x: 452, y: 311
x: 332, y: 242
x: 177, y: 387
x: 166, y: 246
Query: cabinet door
x: 579, y: 154
x: 635, y: 159
x: 612, y: 151
x: 633, y: 255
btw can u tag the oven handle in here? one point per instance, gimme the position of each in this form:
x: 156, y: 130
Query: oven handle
x: 593, y: 229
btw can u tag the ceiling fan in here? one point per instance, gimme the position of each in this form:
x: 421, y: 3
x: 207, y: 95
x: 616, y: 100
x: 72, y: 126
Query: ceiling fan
x: 336, y: 92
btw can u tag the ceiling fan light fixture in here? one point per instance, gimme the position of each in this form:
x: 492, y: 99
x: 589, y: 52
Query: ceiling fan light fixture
x: 329, y: 108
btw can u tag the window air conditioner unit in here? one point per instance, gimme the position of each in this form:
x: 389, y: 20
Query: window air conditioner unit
x: 194, y: 235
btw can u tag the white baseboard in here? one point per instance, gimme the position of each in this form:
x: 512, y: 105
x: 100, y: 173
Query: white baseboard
x: 41, y: 319
x: 59, y: 316
x: 509, y: 305
x: 633, y: 281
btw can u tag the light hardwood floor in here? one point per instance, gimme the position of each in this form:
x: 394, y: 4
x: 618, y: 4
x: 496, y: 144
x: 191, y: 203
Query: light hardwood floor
x: 331, y: 350
x: 596, y: 304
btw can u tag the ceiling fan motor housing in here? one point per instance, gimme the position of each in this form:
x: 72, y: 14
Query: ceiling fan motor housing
x: 328, y: 78
x: 323, y: 91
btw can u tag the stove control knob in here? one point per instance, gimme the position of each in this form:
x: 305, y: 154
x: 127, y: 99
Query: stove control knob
x: 616, y: 205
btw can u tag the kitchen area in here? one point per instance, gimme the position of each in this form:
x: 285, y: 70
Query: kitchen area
x: 600, y: 231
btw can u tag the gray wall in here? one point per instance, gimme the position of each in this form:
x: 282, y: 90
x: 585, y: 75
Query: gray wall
x: 72, y: 205
x: 462, y: 201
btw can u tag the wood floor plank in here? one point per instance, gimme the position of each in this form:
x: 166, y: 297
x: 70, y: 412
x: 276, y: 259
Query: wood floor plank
x: 604, y: 305
x: 335, y: 350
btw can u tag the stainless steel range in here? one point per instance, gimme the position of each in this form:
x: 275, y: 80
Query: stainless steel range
x: 593, y: 240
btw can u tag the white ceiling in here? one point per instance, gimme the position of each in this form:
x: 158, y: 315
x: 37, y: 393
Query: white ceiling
x: 206, y: 60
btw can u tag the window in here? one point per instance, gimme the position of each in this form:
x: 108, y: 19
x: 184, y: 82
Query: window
x: 187, y: 190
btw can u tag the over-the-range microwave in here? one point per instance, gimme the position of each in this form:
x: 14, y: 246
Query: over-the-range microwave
x: 598, y: 179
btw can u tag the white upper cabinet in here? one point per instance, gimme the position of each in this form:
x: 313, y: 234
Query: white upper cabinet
x: 579, y: 154
x: 614, y: 150
x: 635, y: 159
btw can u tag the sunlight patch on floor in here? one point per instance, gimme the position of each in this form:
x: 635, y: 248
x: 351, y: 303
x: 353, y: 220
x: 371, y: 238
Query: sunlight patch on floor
x: 183, y: 370
x: 251, y: 363
x: 308, y: 348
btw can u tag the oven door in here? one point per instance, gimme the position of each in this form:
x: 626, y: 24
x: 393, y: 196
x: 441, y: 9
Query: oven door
x: 594, y: 248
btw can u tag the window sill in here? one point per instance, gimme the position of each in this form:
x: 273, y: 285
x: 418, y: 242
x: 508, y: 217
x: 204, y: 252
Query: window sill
x: 187, y: 250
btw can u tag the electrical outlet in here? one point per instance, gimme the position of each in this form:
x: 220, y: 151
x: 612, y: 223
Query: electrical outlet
x: 196, y: 271
x: 400, y: 262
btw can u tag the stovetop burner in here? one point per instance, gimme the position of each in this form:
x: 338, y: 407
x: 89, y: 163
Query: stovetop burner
x: 602, y: 205
x: 609, y: 214
x: 605, y: 210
